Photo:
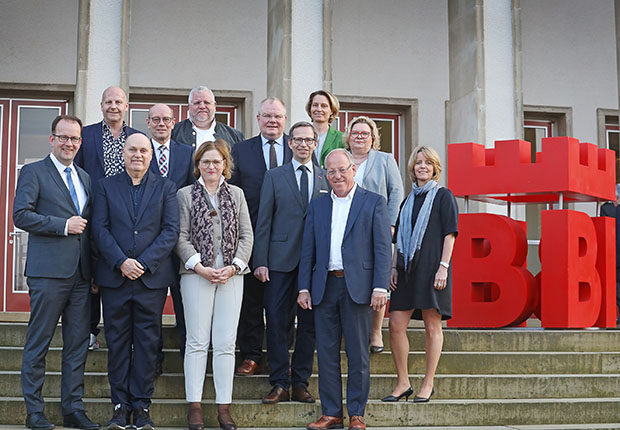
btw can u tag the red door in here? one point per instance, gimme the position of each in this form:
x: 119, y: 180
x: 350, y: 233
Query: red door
x: 25, y: 128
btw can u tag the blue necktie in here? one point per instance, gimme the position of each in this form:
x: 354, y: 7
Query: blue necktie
x: 72, y: 191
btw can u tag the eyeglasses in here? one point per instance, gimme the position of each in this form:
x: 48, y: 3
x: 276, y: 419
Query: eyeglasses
x: 215, y: 163
x: 362, y: 134
x: 342, y: 171
x: 64, y: 139
x: 307, y: 140
x: 156, y: 120
x: 268, y: 117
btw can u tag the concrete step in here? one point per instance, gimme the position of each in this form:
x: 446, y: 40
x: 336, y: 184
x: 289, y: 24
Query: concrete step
x: 517, y: 339
x: 520, y: 427
x: 483, y: 363
x: 466, y: 412
x: 171, y: 386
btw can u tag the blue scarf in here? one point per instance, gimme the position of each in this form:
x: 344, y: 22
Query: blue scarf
x: 409, y: 242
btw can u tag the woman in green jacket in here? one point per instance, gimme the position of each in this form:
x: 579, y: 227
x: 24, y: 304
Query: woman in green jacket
x: 322, y: 107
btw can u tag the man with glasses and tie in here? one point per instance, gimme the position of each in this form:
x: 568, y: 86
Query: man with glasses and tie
x: 284, y: 199
x: 53, y: 203
x: 251, y: 159
x: 174, y: 161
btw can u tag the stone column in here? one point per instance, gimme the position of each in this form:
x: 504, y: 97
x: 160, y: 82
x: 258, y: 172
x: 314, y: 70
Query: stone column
x: 295, y: 53
x: 485, y: 79
x: 102, y: 56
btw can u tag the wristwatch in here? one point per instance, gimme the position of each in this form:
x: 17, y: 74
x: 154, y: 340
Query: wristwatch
x: 236, y: 268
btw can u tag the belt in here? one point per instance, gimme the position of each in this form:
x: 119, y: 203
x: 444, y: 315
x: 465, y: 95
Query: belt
x: 336, y: 273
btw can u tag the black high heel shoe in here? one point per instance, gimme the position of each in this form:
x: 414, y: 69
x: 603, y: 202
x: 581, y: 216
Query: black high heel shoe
x: 418, y: 399
x: 392, y: 398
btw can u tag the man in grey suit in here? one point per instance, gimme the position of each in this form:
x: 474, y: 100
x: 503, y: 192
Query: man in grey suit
x: 285, y: 195
x: 53, y: 204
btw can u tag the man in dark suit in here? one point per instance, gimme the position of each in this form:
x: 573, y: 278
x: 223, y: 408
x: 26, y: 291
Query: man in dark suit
x: 251, y: 159
x: 201, y: 125
x: 174, y: 161
x: 53, y: 204
x: 135, y: 227
x: 612, y: 210
x: 344, y: 273
x: 101, y: 156
x: 284, y: 200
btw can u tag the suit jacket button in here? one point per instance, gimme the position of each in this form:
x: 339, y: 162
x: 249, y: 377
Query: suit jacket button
x: 135, y: 232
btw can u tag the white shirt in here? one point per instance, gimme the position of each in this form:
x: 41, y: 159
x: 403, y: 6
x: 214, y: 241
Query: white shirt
x: 203, y: 135
x: 340, y: 213
x: 196, y: 258
x: 79, y: 187
x: 279, y: 146
x: 158, y: 147
x: 359, y: 173
x: 298, y: 173
x: 319, y: 146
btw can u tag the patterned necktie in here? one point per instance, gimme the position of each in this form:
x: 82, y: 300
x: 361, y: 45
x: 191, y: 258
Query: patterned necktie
x: 273, y: 160
x: 303, y: 185
x: 163, y: 168
x: 72, y: 191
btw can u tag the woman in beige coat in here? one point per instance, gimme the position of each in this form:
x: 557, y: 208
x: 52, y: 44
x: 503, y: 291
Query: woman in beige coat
x: 214, y: 246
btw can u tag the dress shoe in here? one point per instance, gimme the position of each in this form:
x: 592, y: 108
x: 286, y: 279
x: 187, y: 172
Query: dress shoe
x: 418, y: 399
x: 38, y: 421
x: 247, y: 368
x: 224, y: 419
x: 356, y: 422
x: 79, y: 420
x: 276, y: 395
x: 301, y: 394
x: 195, y: 414
x: 376, y: 349
x: 326, y: 422
x: 392, y: 398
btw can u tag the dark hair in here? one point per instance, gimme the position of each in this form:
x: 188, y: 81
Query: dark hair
x: 222, y: 147
x: 303, y: 124
x: 65, y: 118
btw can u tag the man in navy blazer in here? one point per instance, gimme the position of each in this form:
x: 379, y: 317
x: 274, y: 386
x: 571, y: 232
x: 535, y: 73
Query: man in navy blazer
x: 174, y: 161
x: 284, y: 199
x: 251, y: 159
x: 100, y: 155
x: 344, y: 274
x: 53, y: 204
x: 135, y: 227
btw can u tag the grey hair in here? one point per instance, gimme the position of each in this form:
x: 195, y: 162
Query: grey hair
x: 303, y: 124
x: 271, y: 99
x: 199, y: 89
x: 339, y: 150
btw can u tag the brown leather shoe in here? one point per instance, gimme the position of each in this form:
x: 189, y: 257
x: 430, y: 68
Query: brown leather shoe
x: 276, y: 395
x: 301, y: 394
x: 247, y: 368
x: 326, y: 422
x: 356, y: 422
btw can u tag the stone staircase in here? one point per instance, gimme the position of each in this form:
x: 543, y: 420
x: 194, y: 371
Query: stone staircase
x: 491, y: 379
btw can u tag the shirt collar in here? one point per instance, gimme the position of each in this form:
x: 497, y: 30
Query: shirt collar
x: 201, y: 181
x: 210, y: 129
x: 142, y: 182
x: 105, y: 125
x: 59, y: 166
x: 347, y: 197
x: 156, y: 144
x: 296, y: 165
x: 279, y: 140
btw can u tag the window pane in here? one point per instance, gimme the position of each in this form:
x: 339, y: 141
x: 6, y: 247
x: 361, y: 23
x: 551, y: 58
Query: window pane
x: 138, y: 120
x: 33, y: 132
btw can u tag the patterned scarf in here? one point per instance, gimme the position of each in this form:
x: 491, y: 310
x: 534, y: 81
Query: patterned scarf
x: 409, y: 242
x: 202, y: 224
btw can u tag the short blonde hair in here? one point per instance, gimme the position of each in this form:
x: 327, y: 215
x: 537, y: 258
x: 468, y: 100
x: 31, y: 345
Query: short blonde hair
x: 334, y: 104
x: 374, y: 132
x: 223, y: 148
x: 430, y: 155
